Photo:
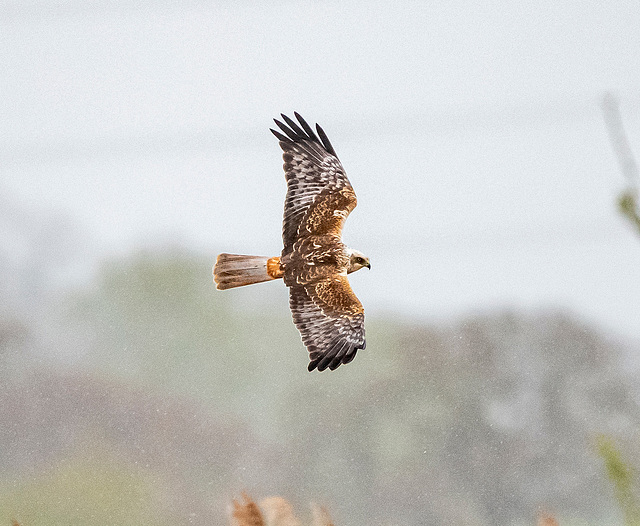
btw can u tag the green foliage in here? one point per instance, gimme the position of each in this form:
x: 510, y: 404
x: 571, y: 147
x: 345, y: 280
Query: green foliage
x: 628, y: 206
x: 623, y: 478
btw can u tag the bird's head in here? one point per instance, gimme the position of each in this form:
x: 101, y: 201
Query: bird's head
x: 357, y: 260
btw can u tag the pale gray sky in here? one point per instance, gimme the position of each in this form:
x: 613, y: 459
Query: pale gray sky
x: 471, y: 132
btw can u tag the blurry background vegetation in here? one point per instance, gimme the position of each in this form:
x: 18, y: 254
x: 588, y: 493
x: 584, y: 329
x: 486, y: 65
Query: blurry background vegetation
x: 174, y: 398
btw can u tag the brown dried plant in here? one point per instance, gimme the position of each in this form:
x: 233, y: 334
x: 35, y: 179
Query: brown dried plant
x: 321, y: 516
x: 273, y: 511
x: 546, y: 519
x: 278, y: 512
x: 246, y: 513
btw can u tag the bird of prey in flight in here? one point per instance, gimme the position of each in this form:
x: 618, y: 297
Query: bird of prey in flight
x: 314, y: 262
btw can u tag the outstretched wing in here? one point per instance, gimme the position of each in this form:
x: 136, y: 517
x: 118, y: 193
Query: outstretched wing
x: 319, y: 195
x: 330, y: 320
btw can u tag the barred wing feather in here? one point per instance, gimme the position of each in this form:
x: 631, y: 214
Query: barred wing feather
x: 317, y: 185
x: 330, y: 320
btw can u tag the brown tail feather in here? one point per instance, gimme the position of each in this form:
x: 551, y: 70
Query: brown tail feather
x: 236, y: 270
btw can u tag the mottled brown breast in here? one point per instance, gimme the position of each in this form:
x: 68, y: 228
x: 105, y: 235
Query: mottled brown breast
x: 314, y: 258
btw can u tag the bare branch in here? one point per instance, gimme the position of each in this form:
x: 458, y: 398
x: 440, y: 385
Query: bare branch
x: 618, y: 138
x: 628, y: 200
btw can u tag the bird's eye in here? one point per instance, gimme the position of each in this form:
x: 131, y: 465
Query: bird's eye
x: 359, y: 260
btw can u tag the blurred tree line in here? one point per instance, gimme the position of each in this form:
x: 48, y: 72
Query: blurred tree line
x: 147, y: 397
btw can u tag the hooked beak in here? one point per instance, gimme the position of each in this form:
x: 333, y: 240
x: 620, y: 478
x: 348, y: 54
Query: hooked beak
x: 368, y: 265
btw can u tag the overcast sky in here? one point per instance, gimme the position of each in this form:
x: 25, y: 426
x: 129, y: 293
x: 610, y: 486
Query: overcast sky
x: 471, y: 132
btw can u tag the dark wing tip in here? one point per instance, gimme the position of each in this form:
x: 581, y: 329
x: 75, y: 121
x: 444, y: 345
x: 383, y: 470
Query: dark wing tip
x: 331, y: 365
x: 332, y: 360
x: 279, y: 136
x: 349, y: 357
x: 291, y: 134
x: 302, y: 132
x: 308, y: 129
x: 325, y: 140
x: 293, y: 126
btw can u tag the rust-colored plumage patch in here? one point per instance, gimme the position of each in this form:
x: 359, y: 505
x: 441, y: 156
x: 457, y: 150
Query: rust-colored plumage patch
x: 336, y: 296
x: 329, y: 211
x: 274, y: 269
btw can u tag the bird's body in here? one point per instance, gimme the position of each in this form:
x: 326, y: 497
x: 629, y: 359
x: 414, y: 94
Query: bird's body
x: 314, y: 262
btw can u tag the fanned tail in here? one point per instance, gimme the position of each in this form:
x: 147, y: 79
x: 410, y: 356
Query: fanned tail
x: 236, y: 270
